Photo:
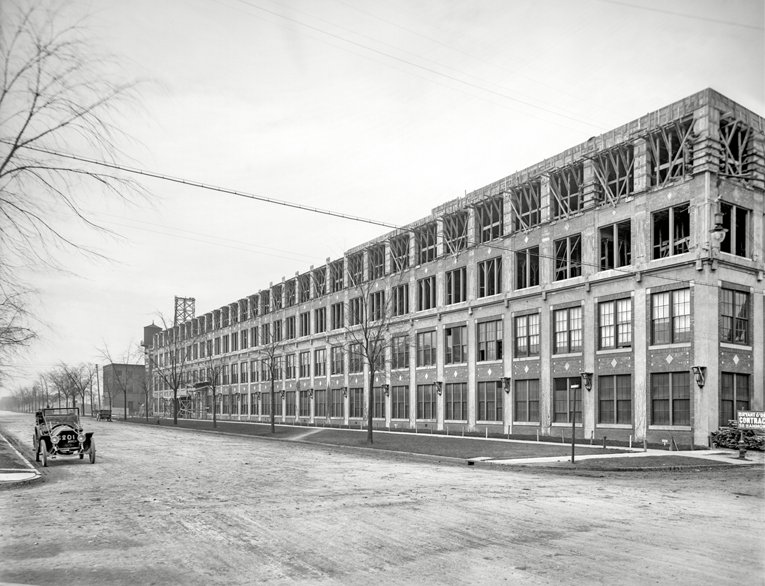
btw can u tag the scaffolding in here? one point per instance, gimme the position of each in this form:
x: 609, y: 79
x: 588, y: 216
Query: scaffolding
x: 184, y: 310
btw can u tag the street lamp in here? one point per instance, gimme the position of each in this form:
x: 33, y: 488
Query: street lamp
x: 587, y: 380
x: 700, y: 374
x: 386, y: 389
x: 505, y: 380
x: 439, y: 387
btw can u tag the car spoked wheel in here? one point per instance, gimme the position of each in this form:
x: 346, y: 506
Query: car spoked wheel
x: 92, y: 451
x: 44, y: 453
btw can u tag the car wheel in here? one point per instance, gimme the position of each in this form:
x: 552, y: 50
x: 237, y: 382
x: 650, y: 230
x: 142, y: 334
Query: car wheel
x: 92, y: 452
x: 44, y: 453
x: 36, y: 448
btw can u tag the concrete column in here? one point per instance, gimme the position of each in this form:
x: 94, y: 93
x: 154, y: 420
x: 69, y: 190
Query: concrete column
x: 640, y: 339
x: 440, y: 372
x: 705, y: 411
x: 642, y: 165
x: 544, y: 199
x: 545, y: 369
x: 589, y: 309
x: 472, y: 352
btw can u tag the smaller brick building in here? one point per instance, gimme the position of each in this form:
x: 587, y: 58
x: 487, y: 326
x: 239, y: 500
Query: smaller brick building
x: 124, y: 383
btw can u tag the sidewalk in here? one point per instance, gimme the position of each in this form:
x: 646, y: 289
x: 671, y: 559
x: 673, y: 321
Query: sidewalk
x: 14, y: 467
x: 483, y: 451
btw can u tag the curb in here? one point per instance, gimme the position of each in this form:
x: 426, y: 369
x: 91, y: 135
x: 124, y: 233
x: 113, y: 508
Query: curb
x: 320, y: 444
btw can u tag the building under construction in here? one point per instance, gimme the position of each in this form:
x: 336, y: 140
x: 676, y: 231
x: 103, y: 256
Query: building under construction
x: 619, y: 283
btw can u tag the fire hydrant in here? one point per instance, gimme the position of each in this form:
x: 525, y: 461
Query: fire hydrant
x: 741, y: 446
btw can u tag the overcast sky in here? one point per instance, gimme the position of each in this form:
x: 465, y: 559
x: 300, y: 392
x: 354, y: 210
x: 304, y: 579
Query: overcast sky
x: 382, y: 109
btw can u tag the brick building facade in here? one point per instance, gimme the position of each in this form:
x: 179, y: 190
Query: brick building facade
x: 635, y: 258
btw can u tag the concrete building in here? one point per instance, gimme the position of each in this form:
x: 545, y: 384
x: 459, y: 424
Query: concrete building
x: 124, y: 383
x: 623, y: 276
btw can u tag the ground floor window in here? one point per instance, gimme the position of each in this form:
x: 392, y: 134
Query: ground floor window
x: 615, y: 399
x: 356, y: 404
x: 527, y: 401
x: 279, y: 397
x: 399, y: 403
x: 266, y: 398
x: 338, y: 405
x: 305, y: 404
x: 244, y: 409
x: 253, y: 404
x: 426, y: 402
x: 734, y: 396
x: 566, y: 391
x: 489, y: 401
x: 671, y: 398
x: 320, y: 403
x: 455, y: 403
x: 379, y: 403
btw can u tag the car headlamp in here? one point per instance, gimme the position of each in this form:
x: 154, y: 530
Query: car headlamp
x: 81, y: 438
x: 54, y: 439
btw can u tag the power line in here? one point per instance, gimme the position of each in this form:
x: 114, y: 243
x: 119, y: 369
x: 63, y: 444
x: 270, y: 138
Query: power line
x: 201, y: 185
x: 433, y: 71
x: 596, y: 125
x: 489, y: 244
x: 683, y: 14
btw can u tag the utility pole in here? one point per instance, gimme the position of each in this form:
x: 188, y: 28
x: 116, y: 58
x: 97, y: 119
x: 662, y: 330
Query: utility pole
x: 98, y: 387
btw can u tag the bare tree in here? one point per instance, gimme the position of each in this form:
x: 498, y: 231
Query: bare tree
x: 58, y: 107
x: 123, y: 377
x: 271, y: 354
x: 15, y: 331
x: 367, y: 329
x: 171, y: 363
x: 80, y: 378
x: 62, y: 384
x: 213, y: 370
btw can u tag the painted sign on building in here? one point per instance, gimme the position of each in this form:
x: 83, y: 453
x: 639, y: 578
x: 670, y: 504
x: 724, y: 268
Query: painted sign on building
x: 751, y: 419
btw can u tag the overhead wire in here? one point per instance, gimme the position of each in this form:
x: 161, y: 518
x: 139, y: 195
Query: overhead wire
x: 489, y: 244
x: 428, y: 69
x: 581, y: 119
x: 683, y: 14
x: 558, y: 90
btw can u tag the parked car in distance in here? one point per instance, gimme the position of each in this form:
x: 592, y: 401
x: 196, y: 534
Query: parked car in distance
x: 59, y: 434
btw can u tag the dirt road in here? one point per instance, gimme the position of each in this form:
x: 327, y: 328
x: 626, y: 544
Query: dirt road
x: 167, y: 506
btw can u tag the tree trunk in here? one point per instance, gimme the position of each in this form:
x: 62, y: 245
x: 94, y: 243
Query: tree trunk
x: 175, y: 406
x: 124, y: 396
x: 215, y: 410
x: 370, y: 407
x: 273, y: 405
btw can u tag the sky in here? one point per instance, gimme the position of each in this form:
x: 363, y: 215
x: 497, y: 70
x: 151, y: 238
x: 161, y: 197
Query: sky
x: 380, y: 109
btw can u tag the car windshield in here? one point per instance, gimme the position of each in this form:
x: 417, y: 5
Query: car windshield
x: 58, y: 417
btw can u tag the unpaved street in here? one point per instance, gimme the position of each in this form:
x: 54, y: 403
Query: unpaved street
x: 167, y: 506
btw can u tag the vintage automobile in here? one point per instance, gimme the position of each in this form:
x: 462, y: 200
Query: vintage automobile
x: 58, y: 434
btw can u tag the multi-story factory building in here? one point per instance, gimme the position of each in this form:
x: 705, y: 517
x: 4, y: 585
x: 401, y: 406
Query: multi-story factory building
x: 623, y: 276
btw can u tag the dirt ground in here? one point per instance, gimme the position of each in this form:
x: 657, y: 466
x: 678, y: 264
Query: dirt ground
x: 170, y: 506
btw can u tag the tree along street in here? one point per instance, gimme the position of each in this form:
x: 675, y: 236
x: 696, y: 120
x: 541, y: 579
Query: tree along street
x: 169, y: 506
